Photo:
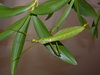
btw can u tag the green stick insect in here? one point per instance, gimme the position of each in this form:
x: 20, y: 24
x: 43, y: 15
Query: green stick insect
x: 60, y: 35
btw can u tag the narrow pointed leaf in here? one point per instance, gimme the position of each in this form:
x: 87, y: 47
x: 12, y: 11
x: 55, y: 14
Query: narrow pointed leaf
x: 86, y: 9
x: 92, y: 32
x: 97, y: 19
x: 94, y: 28
x: 49, y: 16
x: 99, y: 3
x: 81, y: 19
x: 18, y: 44
x: 49, y: 7
x: 63, y: 16
x: 16, y: 26
x: 43, y: 32
x: 96, y: 32
x: 6, y: 12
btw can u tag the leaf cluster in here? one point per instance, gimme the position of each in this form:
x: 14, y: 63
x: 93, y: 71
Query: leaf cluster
x: 81, y: 7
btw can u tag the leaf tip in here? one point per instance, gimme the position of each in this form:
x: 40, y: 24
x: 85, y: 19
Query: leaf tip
x: 74, y: 63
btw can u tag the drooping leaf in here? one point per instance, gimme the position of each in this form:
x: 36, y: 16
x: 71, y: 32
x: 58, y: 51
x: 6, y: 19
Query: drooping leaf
x: 81, y: 19
x: 86, y: 9
x: 63, y: 16
x: 96, y: 32
x: 43, y: 32
x: 99, y: 3
x: 92, y: 32
x: 94, y: 28
x: 49, y: 7
x: 6, y: 12
x: 49, y: 16
x: 18, y: 44
x: 16, y: 26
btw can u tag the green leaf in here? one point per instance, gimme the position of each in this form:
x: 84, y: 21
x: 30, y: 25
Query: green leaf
x: 86, y: 9
x: 49, y: 7
x: 43, y: 32
x: 63, y: 16
x: 81, y: 19
x: 18, y: 44
x: 6, y: 12
x: 94, y: 28
x: 49, y: 16
x: 96, y: 32
x: 99, y: 3
x: 16, y: 26
x: 97, y: 19
x: 92, y: 32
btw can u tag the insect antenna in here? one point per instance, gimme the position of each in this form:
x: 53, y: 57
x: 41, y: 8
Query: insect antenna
x: 21, y: 32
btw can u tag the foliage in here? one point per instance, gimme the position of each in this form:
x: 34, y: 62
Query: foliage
x: 49, y: 7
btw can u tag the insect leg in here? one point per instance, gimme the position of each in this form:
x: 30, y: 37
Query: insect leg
x: 54, y: 50
x: 58, y: 48
x: 59, y: 52
x: 22, y: 32
x: 57, y: 29
x: 57, y: 45
x: 25, y: 51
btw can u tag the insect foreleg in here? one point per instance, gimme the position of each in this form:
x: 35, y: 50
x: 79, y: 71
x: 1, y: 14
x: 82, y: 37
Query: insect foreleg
x: 54, y: 50
x: 25, y: 51
x: 22, y: 32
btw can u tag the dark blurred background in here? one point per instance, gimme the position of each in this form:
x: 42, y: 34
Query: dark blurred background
x: 38, y: 60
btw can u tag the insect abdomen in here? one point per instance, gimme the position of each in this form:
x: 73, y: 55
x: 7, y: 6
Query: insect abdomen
x: 63, y: 35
